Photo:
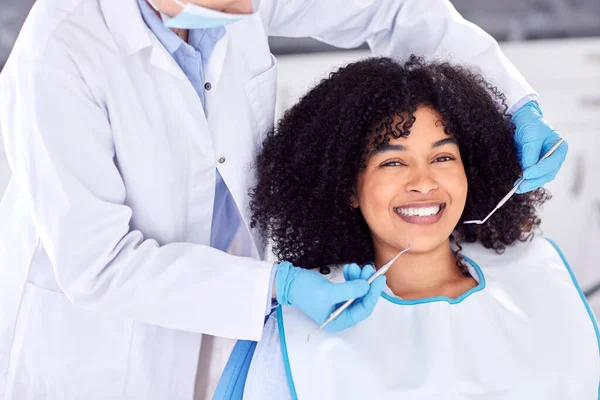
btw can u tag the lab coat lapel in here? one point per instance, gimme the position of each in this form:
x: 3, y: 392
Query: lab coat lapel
x: 125, y: 22
x: 161, y: 59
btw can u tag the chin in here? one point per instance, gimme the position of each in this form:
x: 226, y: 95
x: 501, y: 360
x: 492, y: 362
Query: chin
x: 421, y: 245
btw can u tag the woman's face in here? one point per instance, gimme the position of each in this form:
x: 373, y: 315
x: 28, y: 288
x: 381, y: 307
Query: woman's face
x: 414, y: 189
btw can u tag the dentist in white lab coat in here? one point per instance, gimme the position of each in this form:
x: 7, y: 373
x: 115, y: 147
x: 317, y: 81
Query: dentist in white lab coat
x: 124, y: 231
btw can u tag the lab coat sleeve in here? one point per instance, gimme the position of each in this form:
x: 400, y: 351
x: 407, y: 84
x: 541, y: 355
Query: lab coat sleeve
x: 398, y: 28
x: 60, y: 148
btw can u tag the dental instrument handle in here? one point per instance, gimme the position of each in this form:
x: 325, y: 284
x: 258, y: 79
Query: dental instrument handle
x: 509, y: 194
x: 338, y: 311
x: 378, y: 273
x: 333, y: 316
x: 516, y: 186
x: 552, y: 149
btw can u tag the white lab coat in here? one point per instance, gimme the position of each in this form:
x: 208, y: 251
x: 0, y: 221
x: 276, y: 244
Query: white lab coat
x: 106, y: 279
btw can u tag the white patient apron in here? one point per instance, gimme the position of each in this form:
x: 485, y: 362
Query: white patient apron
x: 524, y: 333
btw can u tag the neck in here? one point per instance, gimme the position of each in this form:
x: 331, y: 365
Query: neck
x: 182, y: 33
x: 418, y: 275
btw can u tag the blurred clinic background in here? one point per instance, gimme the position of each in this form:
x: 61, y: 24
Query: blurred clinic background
x: 556, y: 46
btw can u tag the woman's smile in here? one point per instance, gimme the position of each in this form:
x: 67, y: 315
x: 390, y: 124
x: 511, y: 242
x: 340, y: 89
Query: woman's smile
x: 421, y: 213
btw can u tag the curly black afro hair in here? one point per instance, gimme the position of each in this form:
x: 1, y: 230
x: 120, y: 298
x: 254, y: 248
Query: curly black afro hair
x: 309, y: 164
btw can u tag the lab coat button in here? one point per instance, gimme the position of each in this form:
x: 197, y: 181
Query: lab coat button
x: 207, y: 86
x: 221, y: 160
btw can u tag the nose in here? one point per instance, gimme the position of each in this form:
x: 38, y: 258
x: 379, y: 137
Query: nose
x: 422, y: 181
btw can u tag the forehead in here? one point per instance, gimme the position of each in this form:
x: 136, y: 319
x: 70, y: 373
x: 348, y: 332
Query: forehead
x: 427, y: 128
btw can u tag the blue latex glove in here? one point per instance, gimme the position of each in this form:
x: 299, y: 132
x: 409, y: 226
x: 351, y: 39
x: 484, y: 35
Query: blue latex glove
x: 533, y: 138
x: 317, y: 297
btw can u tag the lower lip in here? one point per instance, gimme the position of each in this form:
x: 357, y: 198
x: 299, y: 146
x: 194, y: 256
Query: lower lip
x: 415, y: 219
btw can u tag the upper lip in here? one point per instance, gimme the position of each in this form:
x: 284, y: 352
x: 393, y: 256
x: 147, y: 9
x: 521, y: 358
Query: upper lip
x: 422, y: 205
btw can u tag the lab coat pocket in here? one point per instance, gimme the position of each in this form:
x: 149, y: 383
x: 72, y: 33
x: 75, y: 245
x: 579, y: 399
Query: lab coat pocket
x: 62, y: 351
x: 261, y: 92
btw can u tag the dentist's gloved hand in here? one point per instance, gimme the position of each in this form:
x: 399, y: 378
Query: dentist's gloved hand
x: 533, y: 138
x: 317, y: 297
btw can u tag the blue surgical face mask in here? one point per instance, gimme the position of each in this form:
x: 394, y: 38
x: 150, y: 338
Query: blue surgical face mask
x: 193, y: 16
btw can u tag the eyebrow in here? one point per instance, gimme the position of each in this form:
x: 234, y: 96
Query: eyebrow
x: 445, y: 141
x: 400, y: 147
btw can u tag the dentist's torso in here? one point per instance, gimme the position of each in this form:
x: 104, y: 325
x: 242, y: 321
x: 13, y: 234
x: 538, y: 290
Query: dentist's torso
x: 167, y: 151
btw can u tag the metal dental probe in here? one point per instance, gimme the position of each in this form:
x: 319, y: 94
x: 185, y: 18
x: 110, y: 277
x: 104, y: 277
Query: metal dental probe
x: 340, y: 309
x: 514, y: 189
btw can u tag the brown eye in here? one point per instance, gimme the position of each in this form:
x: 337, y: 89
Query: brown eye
x: 444, y: 159
x: 392, y: 164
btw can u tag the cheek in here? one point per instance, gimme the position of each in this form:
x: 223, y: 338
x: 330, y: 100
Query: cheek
x: 457, y: 188
x: 375, y: 198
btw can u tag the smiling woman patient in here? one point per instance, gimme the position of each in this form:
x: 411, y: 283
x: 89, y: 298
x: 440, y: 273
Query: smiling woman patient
x: 381, y: 154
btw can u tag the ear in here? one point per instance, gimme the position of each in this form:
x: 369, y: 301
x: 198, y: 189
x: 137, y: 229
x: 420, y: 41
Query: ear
x: 354, y: 202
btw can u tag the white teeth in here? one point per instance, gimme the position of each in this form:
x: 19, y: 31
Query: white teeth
x: 420, y: 211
